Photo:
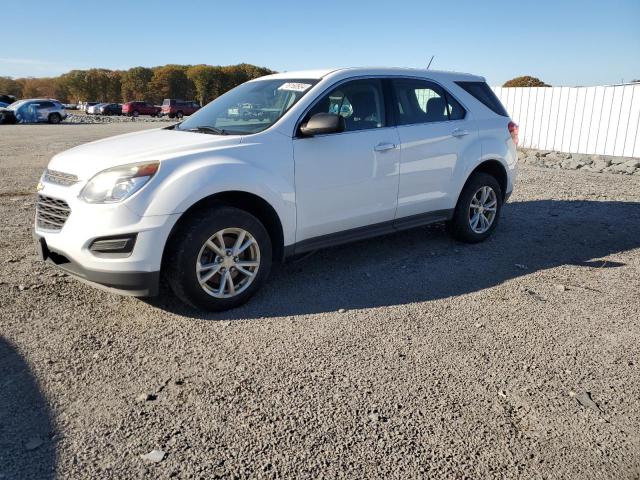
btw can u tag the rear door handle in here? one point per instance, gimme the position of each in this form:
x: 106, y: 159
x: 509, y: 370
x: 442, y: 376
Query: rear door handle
x: 459, y: 132
x: 383, y: 147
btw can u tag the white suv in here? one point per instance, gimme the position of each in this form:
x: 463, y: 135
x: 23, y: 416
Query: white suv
x: 320, y: 158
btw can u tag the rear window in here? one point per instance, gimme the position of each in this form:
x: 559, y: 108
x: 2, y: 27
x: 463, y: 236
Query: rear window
x: 483, y: 93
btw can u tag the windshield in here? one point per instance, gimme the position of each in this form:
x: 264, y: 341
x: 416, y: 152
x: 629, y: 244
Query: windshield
x: 17, y: 104
x: 249, y: 108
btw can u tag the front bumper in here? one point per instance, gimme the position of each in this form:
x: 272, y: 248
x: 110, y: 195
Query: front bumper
x: 68, y: 247
x: 138, y: 284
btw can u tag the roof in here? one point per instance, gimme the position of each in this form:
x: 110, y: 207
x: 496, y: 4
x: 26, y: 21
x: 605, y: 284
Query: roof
x: 356, y: 71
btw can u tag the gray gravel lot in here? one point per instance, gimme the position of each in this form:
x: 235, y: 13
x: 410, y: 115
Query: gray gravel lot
x: 515, y: 358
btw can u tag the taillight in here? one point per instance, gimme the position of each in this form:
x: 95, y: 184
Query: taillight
x: 513, y: 131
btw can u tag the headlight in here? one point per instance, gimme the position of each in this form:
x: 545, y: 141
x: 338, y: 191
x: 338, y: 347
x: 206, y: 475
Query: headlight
x: 116, y: 184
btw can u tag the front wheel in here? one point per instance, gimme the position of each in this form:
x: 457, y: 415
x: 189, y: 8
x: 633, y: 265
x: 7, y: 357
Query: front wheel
x: 478, y: 209
x: 218, y: 259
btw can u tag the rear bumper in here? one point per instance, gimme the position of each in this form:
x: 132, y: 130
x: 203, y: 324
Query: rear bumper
x: 137, y: 284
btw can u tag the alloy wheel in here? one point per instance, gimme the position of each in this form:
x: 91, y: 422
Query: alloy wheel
x: 482, y: 210
x: 228, y: 263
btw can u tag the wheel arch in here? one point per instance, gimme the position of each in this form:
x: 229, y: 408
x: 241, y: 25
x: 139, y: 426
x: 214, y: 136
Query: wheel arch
x: 251, y: 203
x: 496, y: 169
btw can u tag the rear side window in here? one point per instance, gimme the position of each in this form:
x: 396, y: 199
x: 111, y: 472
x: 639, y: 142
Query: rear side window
x: 456, y: 111
x: 483, y: 93
x: 421, y: 101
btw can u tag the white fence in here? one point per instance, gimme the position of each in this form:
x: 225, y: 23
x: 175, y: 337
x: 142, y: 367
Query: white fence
x: 596, y: 120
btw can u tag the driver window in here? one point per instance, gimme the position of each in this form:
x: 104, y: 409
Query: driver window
x: 360, y: 102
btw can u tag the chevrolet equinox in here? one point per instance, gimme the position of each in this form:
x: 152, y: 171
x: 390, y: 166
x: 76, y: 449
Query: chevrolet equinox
x: 280, y: 165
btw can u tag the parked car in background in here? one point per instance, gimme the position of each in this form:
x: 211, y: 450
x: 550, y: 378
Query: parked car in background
x: 7, y: 116
x: 94, y: 109
x: 84, y: 106
x: 110, y: 109
x: 209, y: 203
x: 133, y: 109
x: 178, y: 108
x: 3, y: 104
x: 38, y: 110
x: 8, y: 99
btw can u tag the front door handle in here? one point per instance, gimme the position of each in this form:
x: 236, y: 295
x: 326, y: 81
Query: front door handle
x: 459, y: 132
x: 383, y: 147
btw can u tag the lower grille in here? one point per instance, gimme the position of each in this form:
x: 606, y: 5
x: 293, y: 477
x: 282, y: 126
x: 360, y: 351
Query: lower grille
x: 51, y: 213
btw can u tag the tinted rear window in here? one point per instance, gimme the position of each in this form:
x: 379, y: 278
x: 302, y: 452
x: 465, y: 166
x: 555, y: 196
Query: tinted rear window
x: 483, y: 93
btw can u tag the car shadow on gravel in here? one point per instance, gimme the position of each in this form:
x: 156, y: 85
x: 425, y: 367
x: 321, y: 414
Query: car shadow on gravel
x: 27, y: 442
x: 425, y: 264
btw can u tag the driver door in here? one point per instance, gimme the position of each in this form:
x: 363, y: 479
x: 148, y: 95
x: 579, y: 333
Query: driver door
x: 347, y: 180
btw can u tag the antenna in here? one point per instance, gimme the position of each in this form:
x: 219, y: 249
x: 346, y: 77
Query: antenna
x: 432, y: 57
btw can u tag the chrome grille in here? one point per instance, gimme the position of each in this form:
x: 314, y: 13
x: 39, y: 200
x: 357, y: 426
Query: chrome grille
x: 59, y: 178
x: 51, y: 213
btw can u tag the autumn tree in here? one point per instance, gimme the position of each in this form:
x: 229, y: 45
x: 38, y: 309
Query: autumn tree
x: 135, y: 83
x: 207, y: 81
x: 170, y: 81
x: 525, y: 81
x: 9, y: 86
x: 184, y: 82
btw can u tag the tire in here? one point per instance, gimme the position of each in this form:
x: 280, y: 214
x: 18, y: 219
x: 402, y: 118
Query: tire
x: 54, y: 118
x: 135, y: 113
x: 461, y: 226
x: 179, y: 114
x: 189, y: 248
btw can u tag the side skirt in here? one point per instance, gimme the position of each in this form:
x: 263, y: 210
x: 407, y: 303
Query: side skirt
x: 369, y: 231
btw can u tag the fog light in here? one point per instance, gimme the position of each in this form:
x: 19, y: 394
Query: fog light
x: 116, y: 244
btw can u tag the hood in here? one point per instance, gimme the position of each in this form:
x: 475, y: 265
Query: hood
x: 158, y: 144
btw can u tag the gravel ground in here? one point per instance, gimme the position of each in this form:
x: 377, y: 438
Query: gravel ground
x: 408, y: 356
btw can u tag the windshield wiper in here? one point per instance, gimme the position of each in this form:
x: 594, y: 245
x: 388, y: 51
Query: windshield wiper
x: 208, y: 129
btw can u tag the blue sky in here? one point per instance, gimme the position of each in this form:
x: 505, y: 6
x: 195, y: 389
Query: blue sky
x: 562, y: 42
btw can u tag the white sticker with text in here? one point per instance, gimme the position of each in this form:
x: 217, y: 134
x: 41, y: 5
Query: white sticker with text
x: 294, y: 86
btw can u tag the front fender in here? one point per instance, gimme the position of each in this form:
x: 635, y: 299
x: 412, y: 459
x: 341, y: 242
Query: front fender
x: 196, y: 179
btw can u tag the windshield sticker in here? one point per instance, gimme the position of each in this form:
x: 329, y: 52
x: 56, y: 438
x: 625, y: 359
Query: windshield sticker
x: 294, y: 86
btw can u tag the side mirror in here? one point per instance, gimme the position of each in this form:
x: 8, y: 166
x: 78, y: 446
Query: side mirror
x: 322, y: 123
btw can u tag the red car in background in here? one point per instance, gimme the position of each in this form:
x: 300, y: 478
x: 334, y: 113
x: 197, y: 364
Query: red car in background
x: 133, y: 109
x: 178, y: 108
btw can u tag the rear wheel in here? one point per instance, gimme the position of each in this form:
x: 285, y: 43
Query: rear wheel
x: 55, y: 118
x: 136, y: 113
x: 219, y: 259
x: 478, y: 209
x: 179, y: 114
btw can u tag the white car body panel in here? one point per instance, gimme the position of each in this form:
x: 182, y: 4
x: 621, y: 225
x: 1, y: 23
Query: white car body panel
x: 343, y: 183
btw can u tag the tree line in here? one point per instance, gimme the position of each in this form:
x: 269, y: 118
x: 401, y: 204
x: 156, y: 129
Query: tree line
x: 188, y: 82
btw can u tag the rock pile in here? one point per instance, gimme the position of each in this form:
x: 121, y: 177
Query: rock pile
x: 79, y: 118
x: 579, y: 161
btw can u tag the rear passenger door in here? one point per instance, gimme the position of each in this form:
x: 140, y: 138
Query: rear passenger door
x: 436, y: 133
x: 44, y: 108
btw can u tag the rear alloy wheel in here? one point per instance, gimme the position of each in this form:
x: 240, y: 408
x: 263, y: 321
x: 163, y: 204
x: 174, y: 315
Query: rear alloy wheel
x: 482, y: 211
x: 478, y: 209
x: 218, y: 259
x: 55, y: 118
